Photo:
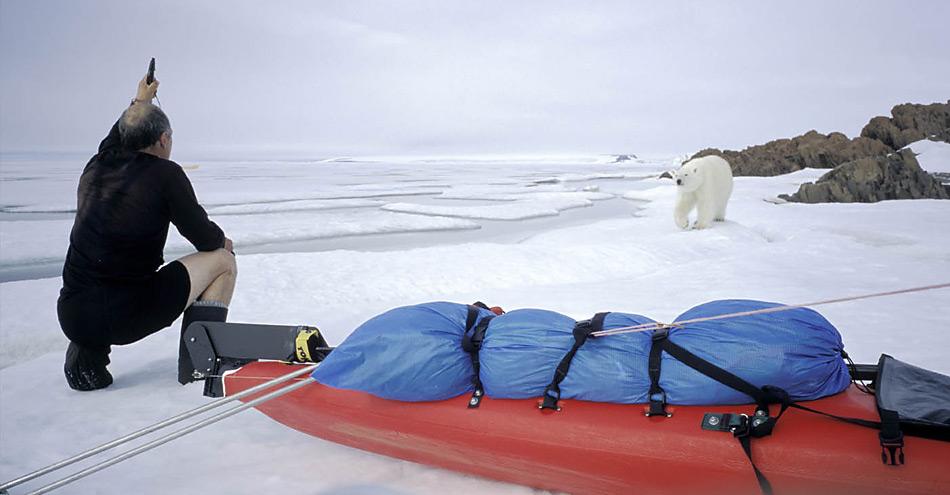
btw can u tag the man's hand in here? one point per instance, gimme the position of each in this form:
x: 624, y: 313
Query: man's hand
x: 146, y: 91
x: 229, y: 245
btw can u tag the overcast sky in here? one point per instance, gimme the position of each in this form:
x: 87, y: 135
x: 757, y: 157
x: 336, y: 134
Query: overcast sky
x: 446, y: 77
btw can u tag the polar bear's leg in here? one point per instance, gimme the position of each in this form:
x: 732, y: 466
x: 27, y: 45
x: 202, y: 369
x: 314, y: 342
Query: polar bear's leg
x: 705, y: 212
x: 724, y: 200
x: 684, y: 204
x: 721, y: 213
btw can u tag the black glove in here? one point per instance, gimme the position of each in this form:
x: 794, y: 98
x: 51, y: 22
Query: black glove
x: 85, y: 367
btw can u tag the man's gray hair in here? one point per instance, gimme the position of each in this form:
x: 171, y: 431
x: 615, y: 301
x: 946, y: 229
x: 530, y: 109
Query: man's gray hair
x: 141, y: 125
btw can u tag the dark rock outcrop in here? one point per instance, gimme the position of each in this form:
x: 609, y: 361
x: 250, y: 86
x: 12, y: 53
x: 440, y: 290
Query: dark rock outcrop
x: 810, y: 150
x: 872, y: 179
x: 911, y: 122
x: 884, y: 130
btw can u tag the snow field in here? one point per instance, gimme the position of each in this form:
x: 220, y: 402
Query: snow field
x: 640, y: 263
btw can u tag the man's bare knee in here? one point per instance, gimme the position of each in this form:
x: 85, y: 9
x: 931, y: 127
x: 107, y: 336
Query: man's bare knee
x: 223, y: 282
x: 221, y: 290
x: 205, y: 268
x: 230, y: 265
x: 228, y: 273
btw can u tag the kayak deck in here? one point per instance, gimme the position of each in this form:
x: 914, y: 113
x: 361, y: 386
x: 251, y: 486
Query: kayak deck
x: 589, y: 447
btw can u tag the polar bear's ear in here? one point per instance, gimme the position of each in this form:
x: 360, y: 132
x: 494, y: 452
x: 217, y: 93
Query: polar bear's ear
x: 666, y: 175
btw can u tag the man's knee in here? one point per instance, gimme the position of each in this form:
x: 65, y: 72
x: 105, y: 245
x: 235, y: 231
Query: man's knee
x: 228, y: 266
x: 223, y: 260
x: 206, y: 267
x: 226, y: 270
x: 212, y: 263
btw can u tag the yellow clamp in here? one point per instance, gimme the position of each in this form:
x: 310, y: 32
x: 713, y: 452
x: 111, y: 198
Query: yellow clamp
x: 303, y: 350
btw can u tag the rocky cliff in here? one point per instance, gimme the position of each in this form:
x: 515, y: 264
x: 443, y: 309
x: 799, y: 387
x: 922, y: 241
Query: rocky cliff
x: 909, y: 123
x: 868, y: 168
x: 810, y: 150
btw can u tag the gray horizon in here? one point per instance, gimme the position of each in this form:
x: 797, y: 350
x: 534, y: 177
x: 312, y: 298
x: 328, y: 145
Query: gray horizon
x: 442, y: 78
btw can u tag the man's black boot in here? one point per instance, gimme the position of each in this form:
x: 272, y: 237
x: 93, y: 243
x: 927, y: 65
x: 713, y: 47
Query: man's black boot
x: 199, y: 311
x: 85, y: 367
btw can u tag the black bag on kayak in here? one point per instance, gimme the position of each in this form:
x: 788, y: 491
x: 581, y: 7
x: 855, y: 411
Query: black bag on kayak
x: 911, y: 400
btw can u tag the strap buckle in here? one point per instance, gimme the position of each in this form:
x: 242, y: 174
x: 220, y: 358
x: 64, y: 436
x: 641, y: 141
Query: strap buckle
x: 661, y: 333
x: 552, y: 395
x: 892, y: 449
x: 658, y: 407
x: 582, y: 330
x: 470, y: 342
x: 740, y: 426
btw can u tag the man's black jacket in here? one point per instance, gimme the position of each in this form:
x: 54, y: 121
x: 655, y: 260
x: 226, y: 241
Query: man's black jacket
x: 126, y: 200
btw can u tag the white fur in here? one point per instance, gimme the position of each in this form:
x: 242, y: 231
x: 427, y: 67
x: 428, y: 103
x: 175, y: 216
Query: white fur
x: 705, y: 184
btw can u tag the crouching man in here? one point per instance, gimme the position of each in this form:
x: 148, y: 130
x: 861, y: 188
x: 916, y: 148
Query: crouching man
x: 114, y: 292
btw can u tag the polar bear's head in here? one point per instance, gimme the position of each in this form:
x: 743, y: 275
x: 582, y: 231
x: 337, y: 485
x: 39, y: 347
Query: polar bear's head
x: 689, y: 177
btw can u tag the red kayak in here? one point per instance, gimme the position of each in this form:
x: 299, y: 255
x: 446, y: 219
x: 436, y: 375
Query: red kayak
x: 589, y: 447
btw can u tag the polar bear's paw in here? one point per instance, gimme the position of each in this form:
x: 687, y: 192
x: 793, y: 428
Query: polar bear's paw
x: 682, y: 222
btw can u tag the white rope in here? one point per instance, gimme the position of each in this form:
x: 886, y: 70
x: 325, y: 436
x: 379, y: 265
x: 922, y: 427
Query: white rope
x: 171, y: 436
x: 655, y: 326
x: 242, y: 377
x: 157, y: 426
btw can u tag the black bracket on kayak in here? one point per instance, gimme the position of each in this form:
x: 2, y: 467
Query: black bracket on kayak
x: 218, y: 347
x: 725, y: 422
x: 863, y: 372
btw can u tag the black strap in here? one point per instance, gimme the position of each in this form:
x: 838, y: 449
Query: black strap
x: 888, y: 422
x: 855, y: 421
x: 762, y: 424
x: 479, y: 304
x: 764, y: 485
x: 891, y: 434
x: 712, y: 371
x: 661, y: 342
x: 657, y: 395
x: 582, y: 330
x: 472, y: 316
x: 892, y: 439
x: 745, y: 428
x: 472, y: 343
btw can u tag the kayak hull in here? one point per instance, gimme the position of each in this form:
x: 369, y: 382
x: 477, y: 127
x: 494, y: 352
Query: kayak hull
x: 589, y: 447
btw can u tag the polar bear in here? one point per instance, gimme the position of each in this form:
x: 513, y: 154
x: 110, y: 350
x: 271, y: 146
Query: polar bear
x: 706, y: 184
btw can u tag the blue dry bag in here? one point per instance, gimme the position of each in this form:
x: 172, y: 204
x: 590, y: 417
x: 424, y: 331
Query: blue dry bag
x: 521, y: 350
x: 797, y: 350
x: 411, y: 353
x: 611, y: 369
